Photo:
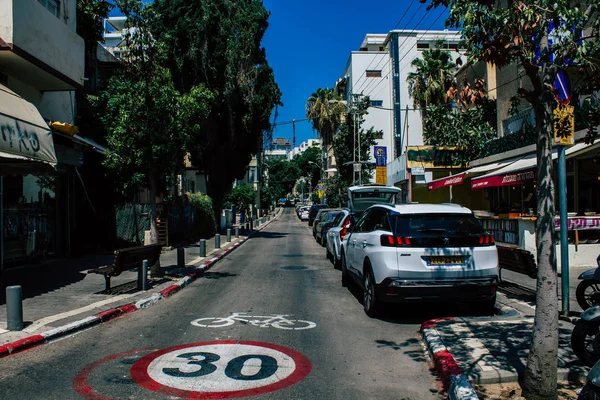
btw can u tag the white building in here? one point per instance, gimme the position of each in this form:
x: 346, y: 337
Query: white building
x: 379, y: 70
x: 41, y: 67
x: 114, y: 34
x: 303, y: 147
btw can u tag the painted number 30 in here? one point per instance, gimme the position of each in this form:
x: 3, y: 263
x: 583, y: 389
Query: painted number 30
x: 268, y: 366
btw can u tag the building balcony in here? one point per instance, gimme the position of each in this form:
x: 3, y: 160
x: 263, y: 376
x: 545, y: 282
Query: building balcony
x: 39, y: 46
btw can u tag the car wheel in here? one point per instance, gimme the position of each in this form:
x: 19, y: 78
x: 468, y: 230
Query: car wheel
x: 337, y: 264
x: 371, y: 304
x: 328, y: 255
x: 345, y: 277
x: 323, y: 241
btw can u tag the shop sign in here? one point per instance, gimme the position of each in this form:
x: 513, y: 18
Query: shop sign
x: 380, y: 156
x: 450, y: 181
x: 430, y: 157
x: 512, y: 179
x: 417, y: 170
x: 579, y: 224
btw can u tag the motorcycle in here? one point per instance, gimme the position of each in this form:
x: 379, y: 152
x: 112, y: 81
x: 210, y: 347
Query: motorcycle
x: 588, y: 290
x: 585, y: 338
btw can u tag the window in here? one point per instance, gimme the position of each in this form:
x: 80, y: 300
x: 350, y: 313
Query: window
x: 373, y: 73
x: 376, y: 103
x: 377, y: 220
x: 52, y: 5
x: 422, y: 46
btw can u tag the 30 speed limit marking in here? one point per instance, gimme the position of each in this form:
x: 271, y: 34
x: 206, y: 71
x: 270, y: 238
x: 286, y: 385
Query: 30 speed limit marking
x: 220, y: 369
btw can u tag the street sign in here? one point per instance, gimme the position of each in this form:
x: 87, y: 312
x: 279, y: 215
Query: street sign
x: 380, y: 156
x: 564, y: 125
x: 417, y: 170
x: 381, y: 175
x: 220, y: 369
x: 357, y: 167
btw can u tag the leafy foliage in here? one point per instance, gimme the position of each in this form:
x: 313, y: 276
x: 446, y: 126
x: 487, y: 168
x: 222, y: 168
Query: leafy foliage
x: 205, y: 212
x: 344, y: 144
x: 325, y: 109
x: 308, y: 163
x: 336, y: 191
x: 283, y: 175
x: 218, y: 43
x: 471, y: 128
x: 242, y: 197
x: 432, y: 78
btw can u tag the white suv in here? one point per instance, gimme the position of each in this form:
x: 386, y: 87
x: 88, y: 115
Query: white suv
x: 420, y: 252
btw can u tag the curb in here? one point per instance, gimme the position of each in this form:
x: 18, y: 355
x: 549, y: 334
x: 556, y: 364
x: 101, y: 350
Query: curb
x: 455, y: 382
x: 113, y: 313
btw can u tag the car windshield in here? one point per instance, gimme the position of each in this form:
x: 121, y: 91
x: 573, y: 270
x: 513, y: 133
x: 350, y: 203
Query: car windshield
x: 419, y: 225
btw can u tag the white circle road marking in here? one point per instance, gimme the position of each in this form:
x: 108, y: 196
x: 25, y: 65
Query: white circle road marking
x: 225, y: 369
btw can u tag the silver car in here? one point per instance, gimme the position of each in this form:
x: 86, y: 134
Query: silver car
x: 335, y: 235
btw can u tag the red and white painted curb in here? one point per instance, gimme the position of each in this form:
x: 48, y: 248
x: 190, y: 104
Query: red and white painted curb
x: 455, y: 382
x: 104, y: 316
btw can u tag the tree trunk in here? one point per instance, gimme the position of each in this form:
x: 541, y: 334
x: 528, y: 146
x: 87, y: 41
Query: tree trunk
x: 155, y: 269
x: 540, y: 380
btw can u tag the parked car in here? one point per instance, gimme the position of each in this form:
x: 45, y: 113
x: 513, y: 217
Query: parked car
x: 312, y: 213
x: 317, y: 220
x: 364, y: 196
x: 418, y: 252
x: 325, y: 223
x: 335, y: 235
x: 304, y: 213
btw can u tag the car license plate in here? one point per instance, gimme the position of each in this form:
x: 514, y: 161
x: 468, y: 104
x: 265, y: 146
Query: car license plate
x: 446, y: 260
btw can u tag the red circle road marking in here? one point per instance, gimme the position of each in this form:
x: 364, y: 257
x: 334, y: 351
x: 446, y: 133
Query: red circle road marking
x: 139, y: 372
x: 80, y: 383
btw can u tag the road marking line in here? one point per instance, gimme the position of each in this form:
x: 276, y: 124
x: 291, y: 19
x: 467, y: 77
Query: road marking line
x: 53, y: 318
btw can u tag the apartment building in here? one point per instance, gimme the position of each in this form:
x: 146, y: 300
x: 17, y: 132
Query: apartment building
x: 379, y: 69
x: 41, y: 68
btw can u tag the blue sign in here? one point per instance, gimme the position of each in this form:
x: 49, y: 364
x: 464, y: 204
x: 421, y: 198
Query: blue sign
x: 380, y: 156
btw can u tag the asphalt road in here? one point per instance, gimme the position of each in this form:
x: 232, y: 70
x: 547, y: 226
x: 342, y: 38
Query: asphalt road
x: 157, y: 353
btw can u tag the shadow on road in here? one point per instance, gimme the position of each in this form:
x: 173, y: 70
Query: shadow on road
x: 271, y: 235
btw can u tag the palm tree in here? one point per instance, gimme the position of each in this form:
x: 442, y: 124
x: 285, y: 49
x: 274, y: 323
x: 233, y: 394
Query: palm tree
x: 432, y: 78
x: 325, y: 109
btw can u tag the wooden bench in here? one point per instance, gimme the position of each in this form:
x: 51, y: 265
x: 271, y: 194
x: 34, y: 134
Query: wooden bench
x: 518, y: 260
x: 129, y: 258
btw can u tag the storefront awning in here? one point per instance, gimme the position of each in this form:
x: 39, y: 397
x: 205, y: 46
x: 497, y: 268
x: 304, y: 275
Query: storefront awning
x: 458, y: 179
x: 519, y: 172
x: 26, y: 137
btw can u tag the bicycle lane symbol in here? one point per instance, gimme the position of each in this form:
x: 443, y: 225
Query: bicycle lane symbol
x: 276, y: 321
x: 220, y: 369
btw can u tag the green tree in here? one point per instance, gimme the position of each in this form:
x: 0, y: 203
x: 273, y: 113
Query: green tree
x: 433, y: 77
x: 242, y: 197
x: 218, y: 43
x: 545, y: 37
x: 308, y: 163
x: 282, y: 177
x: 148, y: 121
x: 336, y: 191
x: 345, y: 143
x: 325, y: 109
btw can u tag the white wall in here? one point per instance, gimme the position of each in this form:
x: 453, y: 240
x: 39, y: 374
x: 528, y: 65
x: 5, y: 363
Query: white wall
x: 30, y: 26
x: 58, y: 106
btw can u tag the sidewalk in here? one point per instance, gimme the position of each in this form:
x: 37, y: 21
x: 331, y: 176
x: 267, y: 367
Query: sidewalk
x: 493, y: 350
x: 60, y: 297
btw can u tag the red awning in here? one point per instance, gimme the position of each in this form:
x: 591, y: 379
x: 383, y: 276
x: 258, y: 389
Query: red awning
x: 457, y: 179
x: 508, y: 179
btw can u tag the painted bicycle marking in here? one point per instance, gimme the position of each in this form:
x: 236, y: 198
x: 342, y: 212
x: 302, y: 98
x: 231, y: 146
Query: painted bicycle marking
x: 279, y: 321
x: 220, y: 369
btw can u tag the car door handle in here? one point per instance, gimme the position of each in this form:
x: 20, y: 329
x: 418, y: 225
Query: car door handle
x: 354, y: 243
x: 364, y: 244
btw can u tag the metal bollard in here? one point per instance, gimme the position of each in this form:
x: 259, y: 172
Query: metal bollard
x: 228, y: 234
x: 202, y: 247
x: 217, y: 241
x: 237, y: 231
x: 251, y: 225
x: 145, y: 275
x: 180, y: 257
x: 14, y: 308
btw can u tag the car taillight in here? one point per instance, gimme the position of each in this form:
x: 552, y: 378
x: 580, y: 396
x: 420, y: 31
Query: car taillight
x: 343, y: 233
x: 486, y: 240
x: 395, y: 241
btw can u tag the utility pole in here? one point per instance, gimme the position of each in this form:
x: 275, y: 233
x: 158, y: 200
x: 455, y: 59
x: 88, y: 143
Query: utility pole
x: 293, y: 133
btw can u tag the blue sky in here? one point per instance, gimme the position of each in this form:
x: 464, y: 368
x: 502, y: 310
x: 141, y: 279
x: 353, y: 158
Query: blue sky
x: 308, y: 44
